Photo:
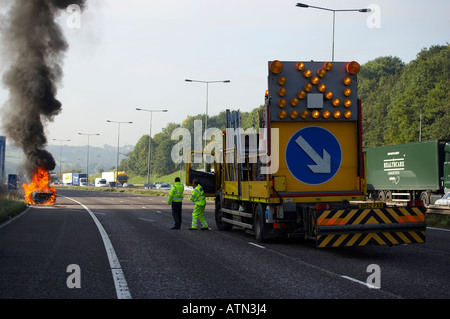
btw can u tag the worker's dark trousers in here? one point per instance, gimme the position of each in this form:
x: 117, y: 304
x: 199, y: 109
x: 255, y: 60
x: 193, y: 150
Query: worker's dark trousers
x: 176, y: 213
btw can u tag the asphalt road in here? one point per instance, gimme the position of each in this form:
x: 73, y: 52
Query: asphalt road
x: 123, y: 247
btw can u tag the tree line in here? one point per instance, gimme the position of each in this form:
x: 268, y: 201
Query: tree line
x: 385, y: 86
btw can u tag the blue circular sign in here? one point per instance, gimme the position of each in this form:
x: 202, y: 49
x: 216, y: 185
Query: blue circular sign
x: 313, y: 155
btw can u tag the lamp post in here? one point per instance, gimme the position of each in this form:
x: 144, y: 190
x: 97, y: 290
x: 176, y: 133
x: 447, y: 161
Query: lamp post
x: 118, y: 140
x: 149, y: 140
x: 60, y: 153
x: 87, y: 160
x: 302, y: 5
x: 206, y: 112
x: 420, y: 119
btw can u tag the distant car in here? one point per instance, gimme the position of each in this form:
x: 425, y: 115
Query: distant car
x: 444, y: 200
x: 100, y: 182
x: 165, y: 187
x: 127, y: 185
x: 157, y: 185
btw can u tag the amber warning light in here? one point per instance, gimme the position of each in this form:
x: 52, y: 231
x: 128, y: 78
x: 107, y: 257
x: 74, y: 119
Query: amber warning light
x: 313, y: 91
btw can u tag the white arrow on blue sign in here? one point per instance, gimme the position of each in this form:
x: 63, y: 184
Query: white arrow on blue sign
x: 313, y: 155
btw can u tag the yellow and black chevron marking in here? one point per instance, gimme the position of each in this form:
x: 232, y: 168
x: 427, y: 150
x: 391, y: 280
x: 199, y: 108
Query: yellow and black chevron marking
x: 361, y: 239
x: 362, y: 227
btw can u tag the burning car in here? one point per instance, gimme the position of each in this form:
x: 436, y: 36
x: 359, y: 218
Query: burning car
x: 38, y: 192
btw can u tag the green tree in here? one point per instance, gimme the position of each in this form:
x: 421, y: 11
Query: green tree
x: 423, y: 83
x: 138, y: 158
x: 374, y: 78
x: 385, y: 85
x: 162, y: 163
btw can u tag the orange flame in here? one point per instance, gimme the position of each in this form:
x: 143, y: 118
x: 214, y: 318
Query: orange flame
x: 40, y: 183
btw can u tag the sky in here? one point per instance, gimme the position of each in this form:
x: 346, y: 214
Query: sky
x: 129, y: 54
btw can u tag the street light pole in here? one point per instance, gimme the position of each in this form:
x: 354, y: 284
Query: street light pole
x: 206, y: 111
x: 149, y: 141
x: 87, y: 160
x: 60, y: 153
x: 118, y: 141
x: 302, y: 5
x: 420, y: 120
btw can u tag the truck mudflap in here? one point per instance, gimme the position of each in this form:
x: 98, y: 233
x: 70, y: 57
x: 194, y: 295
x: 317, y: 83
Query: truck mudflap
x: 371, y: 226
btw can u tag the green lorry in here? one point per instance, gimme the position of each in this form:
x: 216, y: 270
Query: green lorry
x: 412, y: 171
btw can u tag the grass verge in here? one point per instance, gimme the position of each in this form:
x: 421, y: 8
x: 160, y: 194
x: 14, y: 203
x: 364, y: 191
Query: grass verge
x: 438, y: 220
x: 11, y: 204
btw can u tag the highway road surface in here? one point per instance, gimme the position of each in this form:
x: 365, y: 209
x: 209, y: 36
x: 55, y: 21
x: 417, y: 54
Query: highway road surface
x: 105, y: 245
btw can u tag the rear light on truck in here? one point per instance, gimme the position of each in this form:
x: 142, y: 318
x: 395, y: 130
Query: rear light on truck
x: 413, y: 203
x: 323, y: 206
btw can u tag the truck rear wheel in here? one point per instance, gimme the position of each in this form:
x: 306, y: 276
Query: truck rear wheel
x: 259, y: 224
x: 219, y: 214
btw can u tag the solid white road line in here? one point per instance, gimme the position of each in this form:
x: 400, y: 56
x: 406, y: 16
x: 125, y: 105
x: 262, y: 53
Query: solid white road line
x: 259, y: 246
x: 120, y: 282
x: 434, y: 228
x: 360, y: 282
x: 14, y: 218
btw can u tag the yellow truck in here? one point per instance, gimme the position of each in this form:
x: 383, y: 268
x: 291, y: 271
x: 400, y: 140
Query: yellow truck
x: 302, y: 173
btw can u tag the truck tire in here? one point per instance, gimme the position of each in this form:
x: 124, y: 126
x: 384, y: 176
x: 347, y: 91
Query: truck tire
x: 388, y: 195
x: 424, y: 197
x: 381, y: 196
x: 218, y: 214
x: 259, y: 224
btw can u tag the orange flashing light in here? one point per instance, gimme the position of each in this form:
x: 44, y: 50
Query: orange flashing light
x: 321, y: 73
x: 315, y: 114
x: 347, y: 92
x: 336, y: 114
x: 294, y: 101
x: 347, y: 103
x: 308, y: 87
x: 300, y: 66
x: 347, y: 114
x: 307, y: 73
x: 293, y: 114
x: 304, y: 114
x: 353, y: 67
x: 282, y: 114
x: 276, y: 66
x: 282, y: 80
x: 336, y: 102
x: 301, y: 94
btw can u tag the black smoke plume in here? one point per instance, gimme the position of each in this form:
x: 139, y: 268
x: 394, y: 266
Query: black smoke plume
x: 35, y: 45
